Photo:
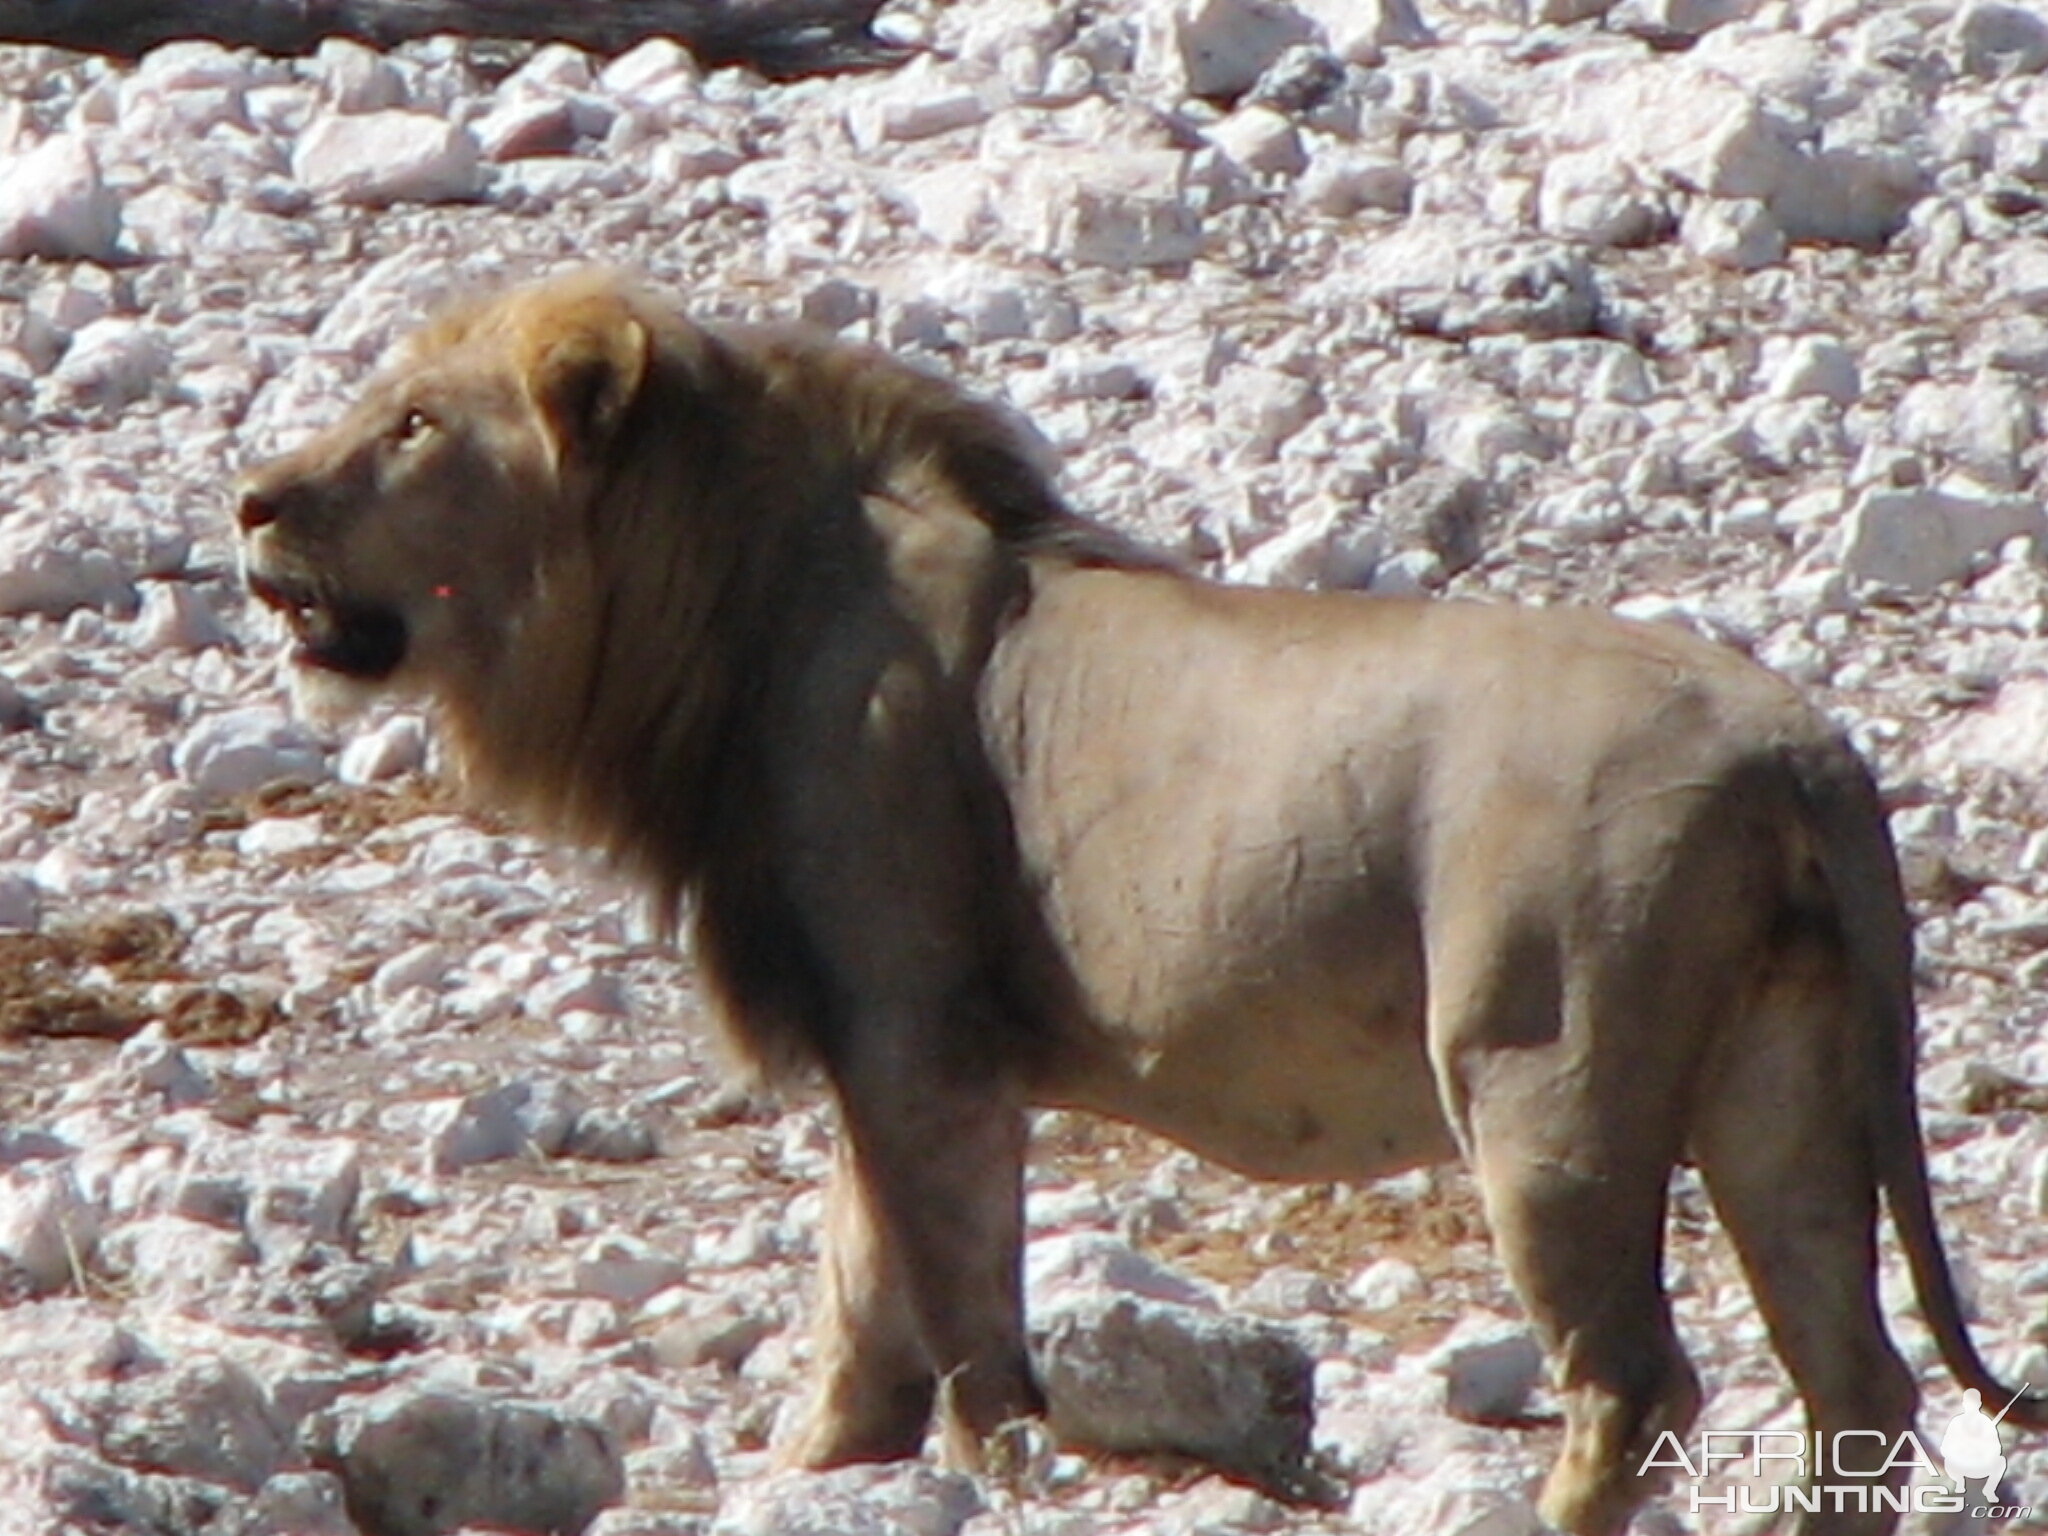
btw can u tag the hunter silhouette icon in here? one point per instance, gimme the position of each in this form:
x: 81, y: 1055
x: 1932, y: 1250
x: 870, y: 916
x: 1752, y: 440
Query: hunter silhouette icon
x: 1970, y: 1447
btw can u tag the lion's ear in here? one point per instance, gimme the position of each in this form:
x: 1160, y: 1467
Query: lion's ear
x: 586, y: 371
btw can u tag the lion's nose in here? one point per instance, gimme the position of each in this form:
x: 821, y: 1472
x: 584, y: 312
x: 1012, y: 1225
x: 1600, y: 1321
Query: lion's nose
x: 254, y: 511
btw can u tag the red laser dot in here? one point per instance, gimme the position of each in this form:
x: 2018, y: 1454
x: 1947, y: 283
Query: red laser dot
x: 444, y: 590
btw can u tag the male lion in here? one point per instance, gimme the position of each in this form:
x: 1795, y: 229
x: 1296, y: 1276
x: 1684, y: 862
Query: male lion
x: 979, y: 807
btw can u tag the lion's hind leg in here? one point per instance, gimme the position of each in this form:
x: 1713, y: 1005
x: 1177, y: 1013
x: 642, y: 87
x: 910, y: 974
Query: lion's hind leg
x: 1582, y: 1240
x: 1572, y: 1120
x: 1782, y: 1146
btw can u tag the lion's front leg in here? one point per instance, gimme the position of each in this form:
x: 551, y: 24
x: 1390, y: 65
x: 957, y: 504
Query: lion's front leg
x: 922, y: 1274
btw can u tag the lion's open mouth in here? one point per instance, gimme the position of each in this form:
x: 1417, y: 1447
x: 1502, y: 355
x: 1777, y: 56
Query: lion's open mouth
x: 359, y: 640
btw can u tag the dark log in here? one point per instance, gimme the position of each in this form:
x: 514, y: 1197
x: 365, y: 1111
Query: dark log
x: 780, y: 38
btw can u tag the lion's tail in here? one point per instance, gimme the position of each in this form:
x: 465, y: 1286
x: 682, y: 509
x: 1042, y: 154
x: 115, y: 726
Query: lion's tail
x: 1861, y: 869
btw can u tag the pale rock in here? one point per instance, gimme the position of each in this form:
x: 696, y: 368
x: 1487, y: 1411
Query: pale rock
x: 423, y: 965
x: 1097, y: 208
x: 1490, y: 1367
x: 1800, y: 366
x: 287, y: 1192
x: 1851, y: 196
x: 276, y: 836
x: 112, y: 362
x: 528, y: 1117
x: 1674, y: 23
x: 1263, y: 407
x: 20, y: 901
x: 1448, y: 278
x: 49, y: 1231
x: 379, y: 158
x: 54, y: 563
x: 627, y: 1270
x: 1485, y: 436
x: 174, y: 1256
x: 1262, y: 141
x: 1715, y: 138
x: 354, y: 78
x: 1309, y: 86
x: 419, y: 1462
x: 683, y: 158
x: 903, y: 1499
x: 1562, y: 13
x: 952, y: 204
x: 1361, y: 31
x: 1291, y: 1293
x: 1386, y: 1284
x: 1915, y: 538
x: 580, y: 989
x: 239, y: 750
x: 167, y: 221
x: 1737, y: 233
x: 1218, y: 48
x: 920, y: 101
x: 1330, y: 544
x: 176, y: 617
x: 1592, y: 513
x: 55, y: 202
x: 1342, y: 181
x: 1995, y: 38
x: 611, y: 1135
x: 299, y: 1504
x: 2021, y: 273
x: 653, y: 71
x: 202, y: 1416
x: 1122, y: 1373
x: 1983, y: 425
x: 1596, y: 196
x: 2007, y: 735
x: 148, y: 1065
x: 1067, y: 1265
x: 554, y: 67
x: 522, y: 126
x: 394, y: 746
x: 1464, y: 1494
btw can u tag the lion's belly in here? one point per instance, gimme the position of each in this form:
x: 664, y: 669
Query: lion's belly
x: 1314, y: 1095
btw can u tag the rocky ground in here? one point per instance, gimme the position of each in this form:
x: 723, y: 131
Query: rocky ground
x: 361, y: 1165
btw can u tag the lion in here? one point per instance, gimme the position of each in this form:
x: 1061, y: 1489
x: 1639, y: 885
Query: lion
x: 973, y: 805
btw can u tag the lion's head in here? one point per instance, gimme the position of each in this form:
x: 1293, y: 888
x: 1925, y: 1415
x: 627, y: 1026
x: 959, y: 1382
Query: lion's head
x: 404, y: 544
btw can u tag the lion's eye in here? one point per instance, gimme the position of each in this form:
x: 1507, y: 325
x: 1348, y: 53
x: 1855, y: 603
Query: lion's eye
x: 412, y: 426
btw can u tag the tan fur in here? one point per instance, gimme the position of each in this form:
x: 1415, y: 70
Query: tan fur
x: 980, y: 807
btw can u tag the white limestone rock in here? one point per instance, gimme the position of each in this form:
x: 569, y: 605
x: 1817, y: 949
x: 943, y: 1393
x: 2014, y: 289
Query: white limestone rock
x: 379, y: 158
x: 903, y: 1499
x: 113, y: 362
x: 1915, y: 538
x: 1490, y: 1366
x: 1102, y: 209
x: 418, y: 1462
x: 1738, y: 233
x: 238, y: 750
x: 1798, y: 367
x: 394, y: 746
x: 1262, y: 141
x: 55, y: 202
x: 1217, y: 49
x: 55, y: 561
x: 1387, y: 1283
x: 530, y: 1117
x: 1122, y: 1373
x: 49, y: 1230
